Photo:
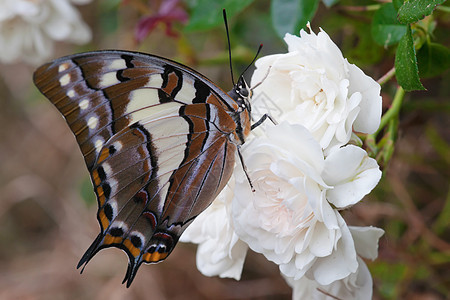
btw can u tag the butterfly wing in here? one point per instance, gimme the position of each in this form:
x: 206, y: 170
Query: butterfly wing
x: 155, y: 136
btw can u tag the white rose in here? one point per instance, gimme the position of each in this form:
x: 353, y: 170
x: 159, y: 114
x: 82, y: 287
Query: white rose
x: 28, y: 29
x: 357, y: 285
x: 352, y: 173
x: 315, y: 86
x: 289, y: 218
x: 220, y: 251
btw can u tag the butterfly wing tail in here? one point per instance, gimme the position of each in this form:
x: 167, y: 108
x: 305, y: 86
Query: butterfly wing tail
x: 90, y: 252
x: 98, y: 244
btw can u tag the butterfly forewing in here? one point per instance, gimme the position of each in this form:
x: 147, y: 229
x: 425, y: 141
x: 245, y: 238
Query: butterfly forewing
x: 157, y: 138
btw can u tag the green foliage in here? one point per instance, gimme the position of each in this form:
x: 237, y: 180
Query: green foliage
x: 433, y: 59
x: 415, y: 10
x: 289, y: 16
x: 359, y: 47
x: 392, y: 274
x: 386, y: 29
x: 207, y: 14
x: 407, y: 72
x: 397, y: 4
x: 390, y: 27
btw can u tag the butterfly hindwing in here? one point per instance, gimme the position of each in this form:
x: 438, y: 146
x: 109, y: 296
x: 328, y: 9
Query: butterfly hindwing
x: 166, y: 184
x: 156, y: 140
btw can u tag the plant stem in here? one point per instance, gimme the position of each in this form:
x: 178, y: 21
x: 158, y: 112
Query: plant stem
x: 360, y: 8
x: 386, y: 77
x: 394, y: 110
x: 388, y: 149
x: 443, y: 8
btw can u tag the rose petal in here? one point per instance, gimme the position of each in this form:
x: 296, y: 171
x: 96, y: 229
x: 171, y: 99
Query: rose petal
x: 369, y: 117
x: 343, y: 259
x: 352, y: 173
x: 357, y: 286
x: 366, y: 240
x: 317, y: 88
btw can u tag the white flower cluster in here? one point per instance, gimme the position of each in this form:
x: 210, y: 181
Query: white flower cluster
x: 28, y: 28
x: 304, y: 171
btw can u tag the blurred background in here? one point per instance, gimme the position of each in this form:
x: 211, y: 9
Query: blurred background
x: 48, y: 208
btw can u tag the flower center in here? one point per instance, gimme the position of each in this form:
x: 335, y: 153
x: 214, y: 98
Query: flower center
x: 279, y: 204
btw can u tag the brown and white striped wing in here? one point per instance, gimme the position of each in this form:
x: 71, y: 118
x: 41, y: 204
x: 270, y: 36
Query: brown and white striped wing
x: 155, y: 137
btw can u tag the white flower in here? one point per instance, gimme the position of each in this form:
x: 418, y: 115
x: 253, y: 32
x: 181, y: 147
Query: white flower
x: 29, y: 28
x: 289, y: 218
x: 358, y: 285
x: 315, y: 86
x: 303, y: 175
x: 220, y: 251
x: 351, y: 173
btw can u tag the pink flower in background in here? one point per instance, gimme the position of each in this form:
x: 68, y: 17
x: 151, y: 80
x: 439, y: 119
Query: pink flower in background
x: 168, y: 13
x: 28, y: 29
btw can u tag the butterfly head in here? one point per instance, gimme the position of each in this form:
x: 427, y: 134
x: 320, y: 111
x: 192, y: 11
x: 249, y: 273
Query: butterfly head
x: 242, y: 94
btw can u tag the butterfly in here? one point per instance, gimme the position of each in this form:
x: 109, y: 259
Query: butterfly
x: 159, y: 141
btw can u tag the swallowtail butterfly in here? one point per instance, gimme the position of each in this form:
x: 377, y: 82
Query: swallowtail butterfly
x: 159, y: 140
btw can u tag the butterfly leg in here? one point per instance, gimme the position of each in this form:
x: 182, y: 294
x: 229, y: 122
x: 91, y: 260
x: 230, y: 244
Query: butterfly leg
x: 262, y: 119
x: 262, y: 80
x: 244, y: 167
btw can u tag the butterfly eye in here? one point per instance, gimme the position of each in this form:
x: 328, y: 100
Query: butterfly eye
x: 243, y: 92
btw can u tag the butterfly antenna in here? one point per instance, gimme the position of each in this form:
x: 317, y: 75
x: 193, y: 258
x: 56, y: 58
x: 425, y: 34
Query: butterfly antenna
x: 229, y: 44
x: 256, y: 56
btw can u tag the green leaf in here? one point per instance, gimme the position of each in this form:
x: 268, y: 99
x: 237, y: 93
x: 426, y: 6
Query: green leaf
x: 289, y: 16
x: 406, y: 69
x: 397, y: 4
x: 415, y: 10
x: 386, y: 29
x: 433, y: 59
x: 207, y: 14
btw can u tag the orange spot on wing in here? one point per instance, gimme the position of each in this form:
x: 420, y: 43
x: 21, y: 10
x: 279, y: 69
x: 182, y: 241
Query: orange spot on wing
x: 154, y: 257
x: 95, y: 177
x: 103, y: 155
x: 109, y: 239
x: 133, y: 250
x: 101, y: 200
x: 100, y: 191
x: 101, y: 196
x: 103, y: 219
